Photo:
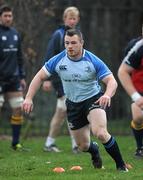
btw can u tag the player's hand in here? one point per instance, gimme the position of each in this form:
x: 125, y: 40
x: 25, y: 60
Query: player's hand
x: 139, y: 102
x: 27, y: 106
x: 47, y: 86
x: 104, y: 101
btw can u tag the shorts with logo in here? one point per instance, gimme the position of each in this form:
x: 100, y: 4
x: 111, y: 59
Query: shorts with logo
x: 77, y: 112
x: 10, y: 85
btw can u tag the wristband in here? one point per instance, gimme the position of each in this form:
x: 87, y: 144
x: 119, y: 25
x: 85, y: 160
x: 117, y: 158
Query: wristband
x: 135, y: 96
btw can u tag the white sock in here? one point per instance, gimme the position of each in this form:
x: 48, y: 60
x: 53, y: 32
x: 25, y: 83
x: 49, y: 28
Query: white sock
x: 49, y: 141
x: 73, y: 142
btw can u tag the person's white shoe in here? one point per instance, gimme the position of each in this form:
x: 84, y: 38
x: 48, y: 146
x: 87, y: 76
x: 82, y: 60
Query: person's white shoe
x: 51, y: 148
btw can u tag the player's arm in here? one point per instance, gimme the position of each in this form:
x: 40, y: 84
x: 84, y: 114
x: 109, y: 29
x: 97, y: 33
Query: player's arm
x: 33, y: 88
x: 111, y: 86
x: 124, y: 75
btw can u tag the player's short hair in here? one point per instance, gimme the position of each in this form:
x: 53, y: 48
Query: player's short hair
x: 5, y: 8
x: 72, y: 32
x: 72, y: 10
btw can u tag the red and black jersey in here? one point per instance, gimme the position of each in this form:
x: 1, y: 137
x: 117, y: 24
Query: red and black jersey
x: 134, y: 58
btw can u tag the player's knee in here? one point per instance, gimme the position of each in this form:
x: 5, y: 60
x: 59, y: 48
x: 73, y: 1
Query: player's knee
x: 61, y: 105
x: 101, y: 134
x: 16, y: 102
x: 1, y: 101
x: 16, y: 120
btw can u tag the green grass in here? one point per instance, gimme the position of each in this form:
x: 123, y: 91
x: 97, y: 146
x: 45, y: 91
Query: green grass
x: 38, y: 165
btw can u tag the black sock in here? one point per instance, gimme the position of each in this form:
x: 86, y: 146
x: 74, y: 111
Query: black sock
x: 15, y: 134
x: 138, y: 134
x: 93, y: 149
x: 113, y: 150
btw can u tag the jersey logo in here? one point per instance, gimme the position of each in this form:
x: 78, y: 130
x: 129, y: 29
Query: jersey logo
x: 70, y: 125
x: 15, y: 37
x: 4, y: 38
x: 11, y: 46
x: 94, y: 106
x: 76, y: 76
x: 87, y: 69
x: 63, y: 67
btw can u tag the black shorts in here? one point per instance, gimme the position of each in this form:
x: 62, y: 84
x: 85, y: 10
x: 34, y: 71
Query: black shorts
x: 10, y: 85
x: 77, y: 112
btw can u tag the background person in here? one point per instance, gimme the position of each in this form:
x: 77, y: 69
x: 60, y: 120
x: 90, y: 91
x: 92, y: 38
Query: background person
x: 80, y: 71
x: 71, y: 18
x: 130, y: 74
x: 12, y: 74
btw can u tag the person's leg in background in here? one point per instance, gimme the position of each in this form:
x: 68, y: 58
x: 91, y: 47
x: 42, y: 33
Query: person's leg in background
x: 55, y: 127
x: 15, y: 100
x: 137, y: 128
x: 1, y: 104
x: 1, y: 101
x: 75, y: 148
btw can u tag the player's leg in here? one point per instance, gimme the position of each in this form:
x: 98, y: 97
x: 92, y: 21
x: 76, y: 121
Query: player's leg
x: 75, y: 148
x: 98, y: 121
x: 55, y: 127
x: 79, y: 126
x: 1, y: 101
x: 137, y: 128
x: 1, y: 104
x: 58, y: 119
x: 15, y: 100
x: 82, y: 137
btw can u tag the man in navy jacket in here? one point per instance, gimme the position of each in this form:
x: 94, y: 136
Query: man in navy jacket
x: 12, y: 74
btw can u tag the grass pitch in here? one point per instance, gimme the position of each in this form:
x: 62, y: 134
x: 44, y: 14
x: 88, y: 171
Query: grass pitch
x: 38, y: 165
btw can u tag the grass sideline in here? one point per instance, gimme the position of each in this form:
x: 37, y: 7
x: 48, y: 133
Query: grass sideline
x: 38, y: 165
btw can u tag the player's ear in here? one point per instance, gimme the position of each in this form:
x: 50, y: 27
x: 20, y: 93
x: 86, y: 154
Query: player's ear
x: 82, y: 42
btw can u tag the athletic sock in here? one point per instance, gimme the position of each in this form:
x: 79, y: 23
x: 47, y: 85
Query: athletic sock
x: 113, y: 150
x: 93, y: 149
x: 73, y: 142
x: 138, y: 134
x: 49, y: 141
x: 15, y: 134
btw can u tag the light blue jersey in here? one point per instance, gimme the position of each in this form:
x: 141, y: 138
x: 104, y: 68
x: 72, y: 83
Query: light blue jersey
x: 80, y: 78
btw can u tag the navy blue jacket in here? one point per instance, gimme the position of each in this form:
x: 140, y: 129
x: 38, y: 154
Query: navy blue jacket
x: 55, y: 46
x: 56, y: 42
x: 11, y: 58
